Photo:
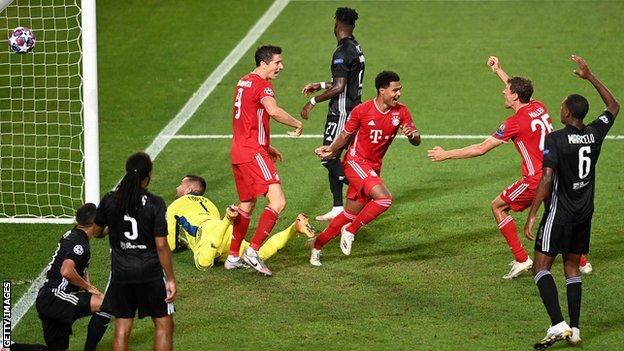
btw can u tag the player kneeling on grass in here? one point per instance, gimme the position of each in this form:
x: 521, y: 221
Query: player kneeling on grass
x: 375, y: 123
x: 567, y: 186
x: 194, y: 221
x: 67, y: 294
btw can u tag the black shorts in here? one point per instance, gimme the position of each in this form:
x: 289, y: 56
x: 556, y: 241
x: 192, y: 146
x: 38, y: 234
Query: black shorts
x: 57, y: 312
x: 556, y: 238
x: 122, y: 300
x: 334, y: 125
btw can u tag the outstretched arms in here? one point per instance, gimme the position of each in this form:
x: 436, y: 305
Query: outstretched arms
x: 584, y: 72
x: 439, y: 154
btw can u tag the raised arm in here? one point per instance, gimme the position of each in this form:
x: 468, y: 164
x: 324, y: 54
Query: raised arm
x: 278, y: 114
x: 543, y: 190
x: 496, y: 68
x: 583, y: 71
x: 333, y: 89
x: 439, y: 154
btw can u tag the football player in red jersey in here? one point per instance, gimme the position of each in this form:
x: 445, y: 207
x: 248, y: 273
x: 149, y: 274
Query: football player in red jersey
x: 253, y: 157
x: 527, y: 128
x: 374, y: 124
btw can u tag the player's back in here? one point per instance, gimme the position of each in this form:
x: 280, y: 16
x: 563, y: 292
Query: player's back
x: 528, y: 128
x: 573, y: 154
x: 132, y: 237
x: 375, y: 131
x: 250, y: 121
x: 73, y: 245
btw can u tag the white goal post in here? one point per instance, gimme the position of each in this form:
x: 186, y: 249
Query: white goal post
x: 49, y: 145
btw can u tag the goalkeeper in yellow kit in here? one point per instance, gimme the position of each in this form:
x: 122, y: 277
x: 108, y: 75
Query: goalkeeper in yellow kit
x: 194, y: 221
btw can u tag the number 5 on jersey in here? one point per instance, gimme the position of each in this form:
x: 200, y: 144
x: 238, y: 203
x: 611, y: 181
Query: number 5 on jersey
x: 134, y: 226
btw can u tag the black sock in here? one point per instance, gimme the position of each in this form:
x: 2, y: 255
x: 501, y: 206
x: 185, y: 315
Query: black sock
x: 28, y: 347
x: 336, y: 178
x: 97, y: 326
x: 574, y: 288
x: 550, y: 298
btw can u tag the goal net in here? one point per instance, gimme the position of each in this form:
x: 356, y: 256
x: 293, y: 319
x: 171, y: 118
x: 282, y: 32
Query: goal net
x: 48, y: 112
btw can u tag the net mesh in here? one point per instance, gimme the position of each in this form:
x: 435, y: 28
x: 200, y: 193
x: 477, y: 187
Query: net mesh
x: 41, y: 131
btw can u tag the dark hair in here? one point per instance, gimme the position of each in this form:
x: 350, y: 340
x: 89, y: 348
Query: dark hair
x: 384, y: 79
x: 199, y: 180
x: 577, y: 105
x: 346, y: 16
x: 85, y: 215
x: 129, y: 192
x: 265, y: 53
x: 521, y: 86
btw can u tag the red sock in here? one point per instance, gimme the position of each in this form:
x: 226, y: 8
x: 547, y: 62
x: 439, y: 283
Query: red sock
x: 509, y: 230
x: 583, y: 261
x: 370, y: 211
x: 239, y: 231
x: 333, y: 229
x: 265, y: 226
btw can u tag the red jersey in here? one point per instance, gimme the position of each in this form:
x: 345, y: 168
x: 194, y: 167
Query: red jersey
x: 250, y: 122
x: 528, y: 128
x: 374, y: 130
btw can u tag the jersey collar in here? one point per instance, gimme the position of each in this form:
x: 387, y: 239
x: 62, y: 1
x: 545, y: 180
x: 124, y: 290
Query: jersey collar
x: 344, y: 39
x: 81, y: 232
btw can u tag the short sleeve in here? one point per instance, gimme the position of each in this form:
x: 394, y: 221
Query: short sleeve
x: 100, y: 216
x: 507, y: 130
x: 340, y: 64
x: 551, y: 154
x: 603, y: 124
x: 160, y: 222
x: 78, y: 252
x: 353, y: 122
x: 265, y: 90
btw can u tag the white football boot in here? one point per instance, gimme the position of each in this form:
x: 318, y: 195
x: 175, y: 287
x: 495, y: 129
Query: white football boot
x: 331, y: 214
x: 234, y: 264
x: 346, y: 240
x: 555, y: 333
x: 518, y: 267
x: 586, y: 269
x: 254, y: 261
x: 575, y: 339
x: 315, y: 257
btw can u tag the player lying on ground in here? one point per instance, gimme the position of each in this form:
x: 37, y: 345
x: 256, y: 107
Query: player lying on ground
x: 375, y: 123
x: 67, y: 294
x: 567, y: 188
x: 253, y: 157
x: 527, y: 128
x: 194, y: 221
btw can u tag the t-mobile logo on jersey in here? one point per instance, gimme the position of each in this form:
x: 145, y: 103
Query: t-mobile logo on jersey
x: 375, y: 135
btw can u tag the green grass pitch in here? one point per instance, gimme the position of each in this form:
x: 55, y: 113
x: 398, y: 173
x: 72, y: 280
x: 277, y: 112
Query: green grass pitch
x: 427, y: 274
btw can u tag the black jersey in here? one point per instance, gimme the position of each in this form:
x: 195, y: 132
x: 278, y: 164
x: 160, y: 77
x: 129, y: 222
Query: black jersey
x: 573, y: 155
x: 347, y: 62
x: 74, y: 245
x: 134, y: 258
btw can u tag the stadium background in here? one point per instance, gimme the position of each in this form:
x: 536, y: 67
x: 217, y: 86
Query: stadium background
x: 426, y: 275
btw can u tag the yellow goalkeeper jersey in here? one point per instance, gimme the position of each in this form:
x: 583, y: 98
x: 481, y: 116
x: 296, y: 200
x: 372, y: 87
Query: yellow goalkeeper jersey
x: 185, y: 215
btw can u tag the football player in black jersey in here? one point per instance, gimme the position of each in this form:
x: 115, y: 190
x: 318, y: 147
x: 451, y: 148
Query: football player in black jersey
x: 344, y: 93
x: 137, y: 232
x: 567, y: 187
x: 67, y: 293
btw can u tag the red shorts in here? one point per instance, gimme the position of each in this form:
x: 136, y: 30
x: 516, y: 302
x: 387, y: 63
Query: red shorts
x: 362, y: 178
x: 519, y: 195
x: 253, y: 178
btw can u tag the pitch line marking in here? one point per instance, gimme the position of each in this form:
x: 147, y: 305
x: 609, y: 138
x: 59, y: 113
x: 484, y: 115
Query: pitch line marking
x: 187, y: 111
x: 319, y: 136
